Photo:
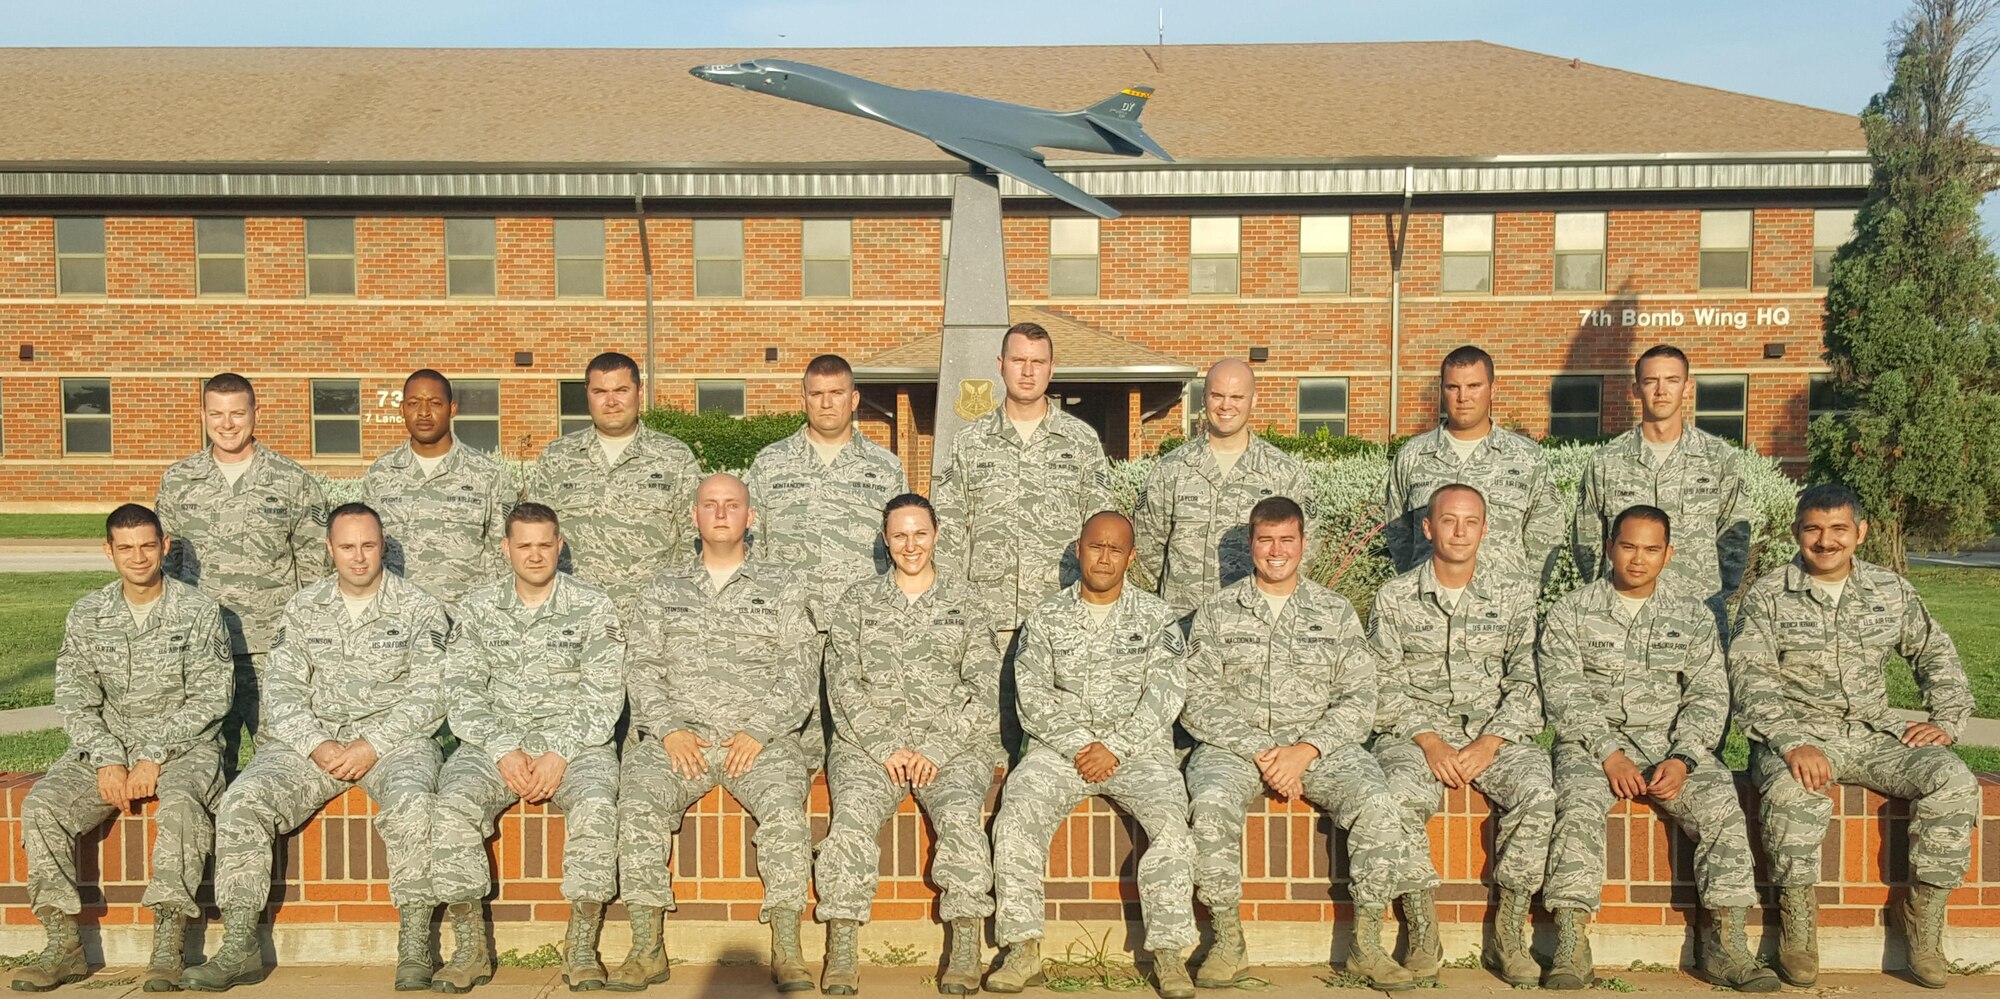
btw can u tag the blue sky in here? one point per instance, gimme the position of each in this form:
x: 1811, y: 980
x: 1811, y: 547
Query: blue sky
x: 1824, y: 53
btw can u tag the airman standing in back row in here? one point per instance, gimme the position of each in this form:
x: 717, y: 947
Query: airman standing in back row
x: 621, y: 488
x: 443, y: 505
x: 1668, y: 462
x: 1191, y: 512
x: 818, y: 496
x: 1807, y: 672
x: 1524, y: 513
x: 1021, y: 480
x: 249, y: 530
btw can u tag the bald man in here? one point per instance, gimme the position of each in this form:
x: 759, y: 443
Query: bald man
x: 1191, y: 515
x: 722, y: 669
x: 1100, y: 678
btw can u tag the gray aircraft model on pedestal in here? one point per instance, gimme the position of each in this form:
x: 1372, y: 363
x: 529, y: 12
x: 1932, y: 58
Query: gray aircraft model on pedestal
x: 993, y: 134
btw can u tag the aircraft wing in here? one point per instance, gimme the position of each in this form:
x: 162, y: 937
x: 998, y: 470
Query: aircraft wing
x: 1026, y: 167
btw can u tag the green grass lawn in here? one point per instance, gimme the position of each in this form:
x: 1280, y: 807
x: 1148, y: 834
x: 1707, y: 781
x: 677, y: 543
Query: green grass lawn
x: 51, y: 525
x: 32, y: 607
x: 1963, y: 601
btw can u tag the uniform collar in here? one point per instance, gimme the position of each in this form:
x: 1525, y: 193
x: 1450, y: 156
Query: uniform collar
x: 1427, y: 582
x: 405, y: 457
x: 1054, y: 421
x: 114, y: 609
x: 211, y: 469
x: 388, y: 599
x: 509, y: 599
x: 1437, y: 441
x: 889, y: 593
x: 1861, y: 578
x: 1202, y: 456
x: 802, y: 449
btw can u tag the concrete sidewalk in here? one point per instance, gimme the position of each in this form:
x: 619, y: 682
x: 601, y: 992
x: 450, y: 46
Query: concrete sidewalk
x: 52, y: 555
x: 912, y: 982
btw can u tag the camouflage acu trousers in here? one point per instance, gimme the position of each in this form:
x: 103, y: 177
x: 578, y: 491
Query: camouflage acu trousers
x: 817, y: 734
x: 1943, y: 794
x: 1383, y: 861
x: 471, y: 794
x: 281, y: 789
x: 1519, y: 783
x: 1041, y: 792
x: 652, y: 798
x: 64, y: 805
x: 845, y: 872
x: 240, y: 724
x: 1707, y: 810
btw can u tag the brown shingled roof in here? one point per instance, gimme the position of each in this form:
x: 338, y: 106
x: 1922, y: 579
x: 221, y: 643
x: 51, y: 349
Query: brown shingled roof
x: 1310, y: 102
x: 1082, y: 351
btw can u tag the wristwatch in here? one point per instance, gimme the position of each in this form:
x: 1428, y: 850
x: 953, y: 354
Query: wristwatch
x: 1686, y: 760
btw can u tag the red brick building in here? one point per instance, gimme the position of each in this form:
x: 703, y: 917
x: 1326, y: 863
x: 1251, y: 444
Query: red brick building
x: 325, y: 221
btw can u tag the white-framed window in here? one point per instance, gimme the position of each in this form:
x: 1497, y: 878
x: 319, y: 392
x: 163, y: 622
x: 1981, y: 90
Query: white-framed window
x: 1214, y: 255
x: 1579, y: 251
x: 477, y: 424
x: 1324, y: 242
x: 718, y: 258
x: 79, y: 256
x: 1194, y: 408
x: 86, y: 408
x: 1073, y: 258
x: 218, y: 257
x: 330, y: 256
x: 572, y: 407
x: 1323, y: 405
x: 826, y: 264
x: 1725, y: 249
x: 944, y: 252
x: 336, y: 417
x: 1832, y: 228
x: 1721, y: 404
x: 719, y: 397
x: 1576, y: 407
x: 470, y: 258
x: 579, y: 258
x: 1467, y: 265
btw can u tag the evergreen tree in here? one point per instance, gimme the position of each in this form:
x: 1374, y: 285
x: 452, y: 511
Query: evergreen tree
x: 1912, y: 303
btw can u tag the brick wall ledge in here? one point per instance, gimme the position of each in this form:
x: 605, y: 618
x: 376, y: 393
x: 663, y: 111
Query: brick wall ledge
x: 332, y: 877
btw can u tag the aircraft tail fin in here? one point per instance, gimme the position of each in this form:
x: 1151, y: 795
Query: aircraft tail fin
x: 1124, y: 105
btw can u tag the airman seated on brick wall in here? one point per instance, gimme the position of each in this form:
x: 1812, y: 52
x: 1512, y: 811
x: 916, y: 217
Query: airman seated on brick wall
x: 1102, y: 676
x: 1460, y: 705
x: 719, y: 677
x: 913, y: 679
x: 143, y: 683
x: 443, y: 504
x: 1281, y: 696
x: 1806, y: 668
x: 1638, y: 691
x: 354, y: 694
x: 536, y: 683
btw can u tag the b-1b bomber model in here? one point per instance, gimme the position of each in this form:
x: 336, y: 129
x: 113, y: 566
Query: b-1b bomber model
x: 993, y: 134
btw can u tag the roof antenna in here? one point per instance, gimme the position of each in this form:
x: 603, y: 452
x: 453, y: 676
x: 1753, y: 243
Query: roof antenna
x: 1155, y: 59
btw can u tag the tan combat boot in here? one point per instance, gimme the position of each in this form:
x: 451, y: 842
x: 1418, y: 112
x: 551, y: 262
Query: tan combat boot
x: 240, y: 961
x: 1506, y: 951
x: 1368, y: 961
x: 1170, y: 970
x: 163, y: 971
x: 1426, y: 953
x: 1725, y: 957
x: 471, y: 962
x: 583, y: 971
x: 1922, y: 916
x: 1572, y: 967
x: 961, y: 976
x: 61, y: 960
x: 788, y: 966
x: 842, y: 974
x: 1226, y: 961
x: 1798, y: 944
x: 1020, y: 967
x: 646, y: 964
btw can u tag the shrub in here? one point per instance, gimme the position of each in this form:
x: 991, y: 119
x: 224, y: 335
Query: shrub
x: 720, y: 441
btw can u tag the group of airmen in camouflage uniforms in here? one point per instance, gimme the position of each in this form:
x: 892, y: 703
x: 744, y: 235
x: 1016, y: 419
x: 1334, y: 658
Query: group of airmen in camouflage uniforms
x: 817, y: 614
